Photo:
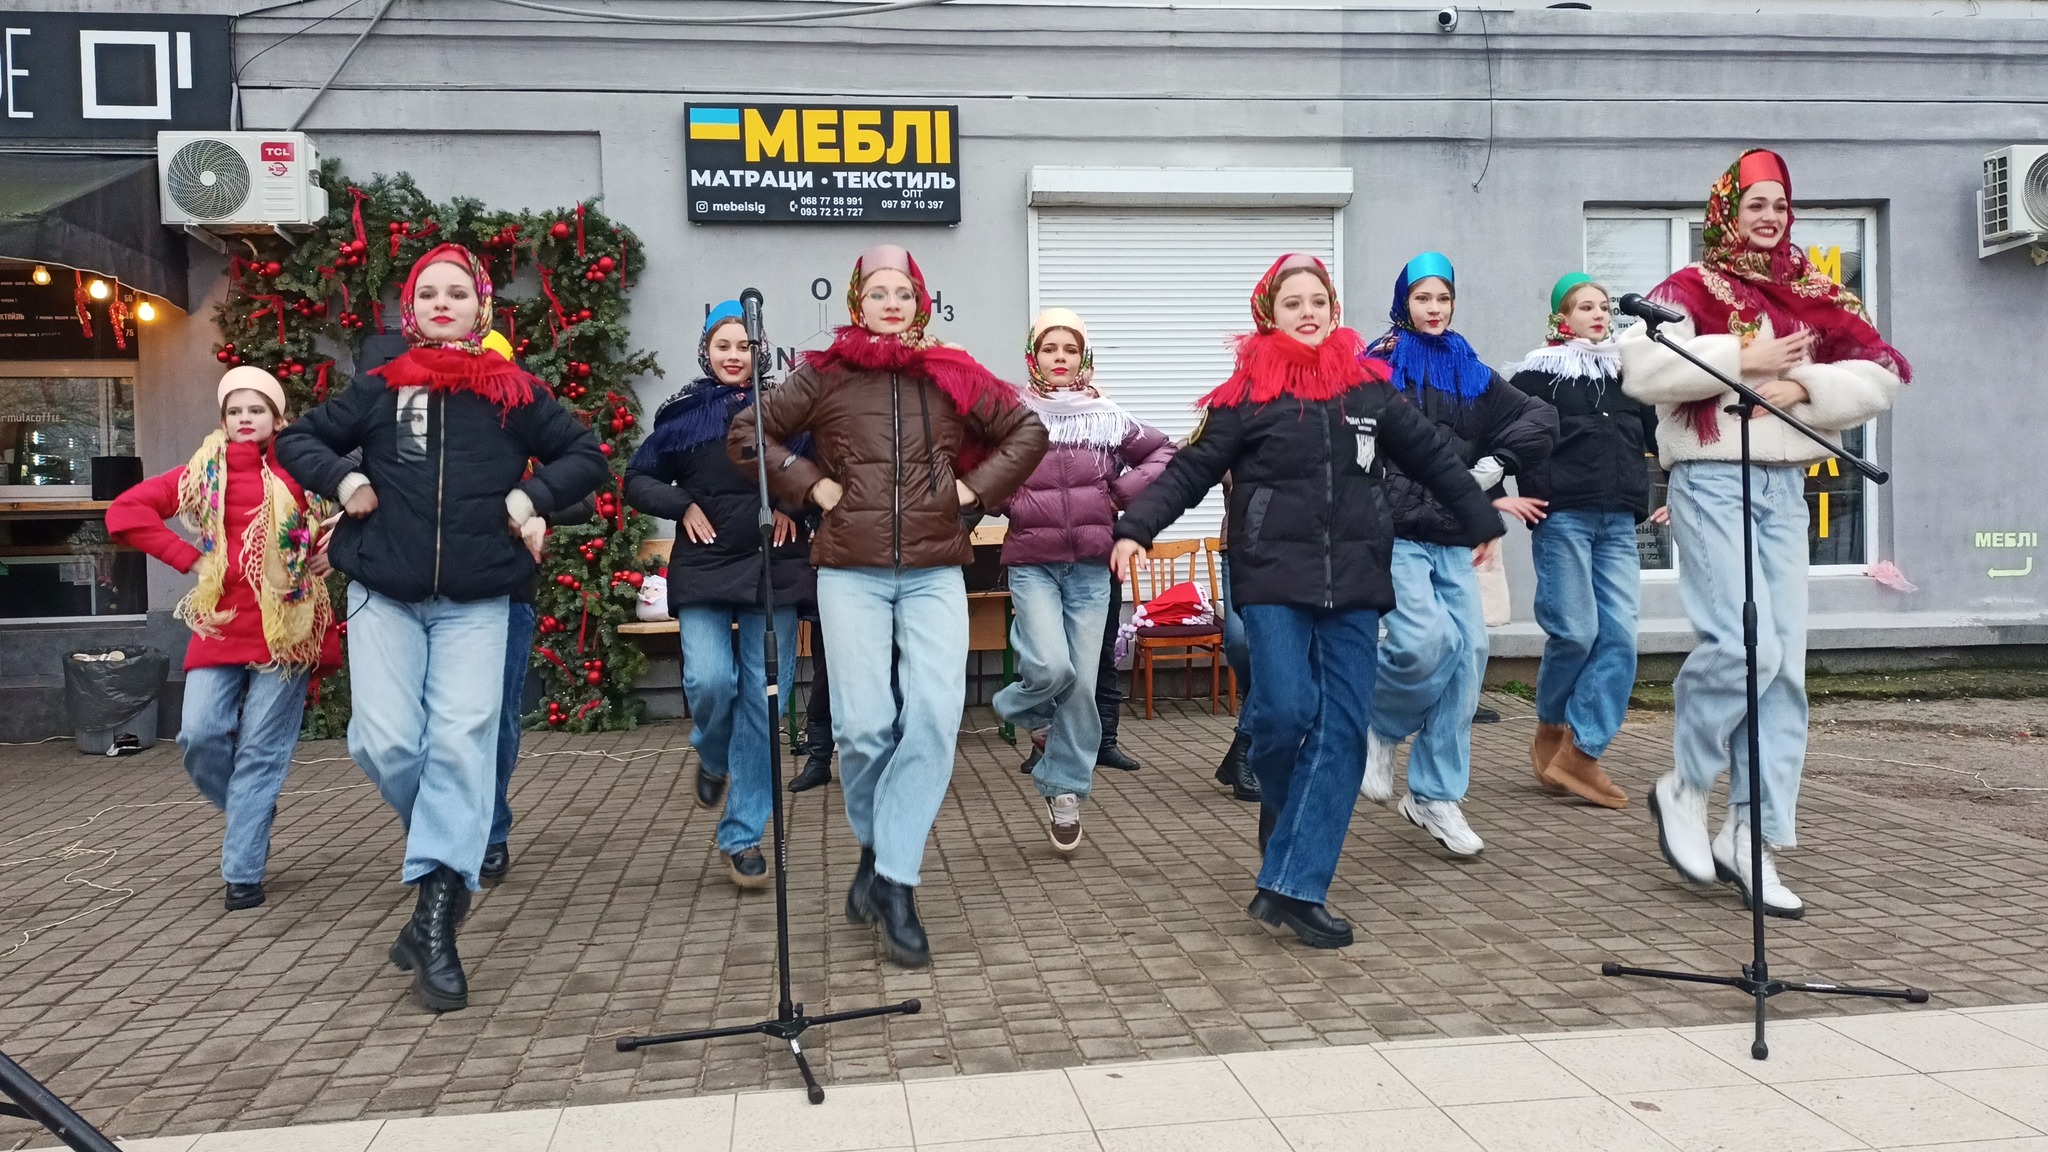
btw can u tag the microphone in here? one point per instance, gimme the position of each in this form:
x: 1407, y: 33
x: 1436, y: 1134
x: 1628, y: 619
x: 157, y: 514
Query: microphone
x: 750, y: 316
x: 1648, y: 311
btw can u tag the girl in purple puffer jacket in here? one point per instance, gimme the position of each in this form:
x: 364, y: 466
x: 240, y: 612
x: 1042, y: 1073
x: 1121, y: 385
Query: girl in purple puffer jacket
x: 1062, y: 524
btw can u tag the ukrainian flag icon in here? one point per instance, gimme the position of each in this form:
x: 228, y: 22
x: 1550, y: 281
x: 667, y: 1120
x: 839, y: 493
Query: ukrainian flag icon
x: 714, y: 124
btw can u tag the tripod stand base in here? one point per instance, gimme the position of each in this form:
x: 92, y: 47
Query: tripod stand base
x: 1762, y: 988
x: 787, y: 1027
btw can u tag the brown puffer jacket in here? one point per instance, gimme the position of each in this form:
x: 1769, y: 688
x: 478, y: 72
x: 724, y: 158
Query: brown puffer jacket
x: 892, y: 440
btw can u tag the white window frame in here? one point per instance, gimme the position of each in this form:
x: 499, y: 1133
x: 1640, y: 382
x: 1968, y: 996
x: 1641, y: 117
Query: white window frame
x: 1681, y: 255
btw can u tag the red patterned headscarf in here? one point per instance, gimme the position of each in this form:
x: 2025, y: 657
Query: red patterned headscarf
x: 1734, y: 286
x: 1272, y: 364
x: 463, y: 258
x: 458, y: 365
x: 1269, y: 286
x: 890, y: 258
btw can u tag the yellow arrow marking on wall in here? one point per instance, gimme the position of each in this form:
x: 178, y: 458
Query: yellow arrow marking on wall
x: 1834, y: 469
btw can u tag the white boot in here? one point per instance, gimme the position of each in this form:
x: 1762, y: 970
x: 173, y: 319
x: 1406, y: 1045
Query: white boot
x: 1681, y: 814
x: 1731, y: 864
x: 1378, y: 785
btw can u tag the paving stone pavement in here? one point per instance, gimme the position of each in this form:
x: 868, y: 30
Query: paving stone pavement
x: 126, y: 987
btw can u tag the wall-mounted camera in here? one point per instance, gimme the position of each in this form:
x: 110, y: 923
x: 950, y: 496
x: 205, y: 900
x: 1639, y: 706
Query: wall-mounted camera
x: 1447, y: 20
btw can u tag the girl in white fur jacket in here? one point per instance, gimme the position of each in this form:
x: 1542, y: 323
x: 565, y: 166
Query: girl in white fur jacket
x: 1753, y: 306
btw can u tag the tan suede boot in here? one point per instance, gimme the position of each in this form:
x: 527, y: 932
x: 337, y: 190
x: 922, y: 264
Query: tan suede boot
x: 1549, y: 738
x: 1581, y: 775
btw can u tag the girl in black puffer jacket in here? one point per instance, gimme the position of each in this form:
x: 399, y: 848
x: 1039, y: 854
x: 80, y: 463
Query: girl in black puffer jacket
x: 1591, y: 493
x: 683, y: 473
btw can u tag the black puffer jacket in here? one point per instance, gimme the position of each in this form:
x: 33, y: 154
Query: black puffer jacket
x: 1500, y: 422
x: 684, y: 462
x: 440, y: 526
x: 1603, y: 435
x: 1309, y: 525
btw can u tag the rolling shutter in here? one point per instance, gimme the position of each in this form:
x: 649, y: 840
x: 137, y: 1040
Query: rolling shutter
x: 1162, y: 292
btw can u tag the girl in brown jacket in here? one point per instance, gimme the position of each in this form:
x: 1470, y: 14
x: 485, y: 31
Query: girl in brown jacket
x: 907, y: 434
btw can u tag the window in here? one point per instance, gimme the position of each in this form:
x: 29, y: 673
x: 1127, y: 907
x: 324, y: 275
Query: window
x: 54, y: 418
x: 1633, y: 250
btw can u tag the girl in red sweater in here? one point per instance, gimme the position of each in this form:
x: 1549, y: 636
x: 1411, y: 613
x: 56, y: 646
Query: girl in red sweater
x: 260, y: 619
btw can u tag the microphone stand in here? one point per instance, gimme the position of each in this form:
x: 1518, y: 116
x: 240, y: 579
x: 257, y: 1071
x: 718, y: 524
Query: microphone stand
x: 789, y: 1022
x: 34, y: 1102
x: 1756, y: 979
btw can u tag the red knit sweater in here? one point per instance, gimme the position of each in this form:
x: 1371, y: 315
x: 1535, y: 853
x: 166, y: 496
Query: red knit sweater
x: 137, y: 520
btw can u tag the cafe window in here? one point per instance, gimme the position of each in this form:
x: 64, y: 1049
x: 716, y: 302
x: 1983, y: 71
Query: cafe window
x: 1633, y: 250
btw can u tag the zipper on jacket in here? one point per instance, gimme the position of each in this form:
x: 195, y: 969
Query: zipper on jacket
x: 931, y: 450
x: 1330, y: 504
x: 440, y: 486
x: 896, y: 485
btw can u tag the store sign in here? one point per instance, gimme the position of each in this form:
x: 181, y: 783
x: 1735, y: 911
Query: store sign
x: 813, y: 163
x: 41, y: 321
x: 71, y: 75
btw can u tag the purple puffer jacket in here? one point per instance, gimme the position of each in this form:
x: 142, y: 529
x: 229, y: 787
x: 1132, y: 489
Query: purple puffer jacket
x: 1066, y: 512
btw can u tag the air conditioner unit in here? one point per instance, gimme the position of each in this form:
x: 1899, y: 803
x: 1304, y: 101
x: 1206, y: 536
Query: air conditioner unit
x: 239, y: 181
x: 2012, y: 206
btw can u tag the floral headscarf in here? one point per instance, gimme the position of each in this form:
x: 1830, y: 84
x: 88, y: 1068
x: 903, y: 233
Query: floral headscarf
x: 1272, y: 364
x: 885, y: 258
x: 1559, y: 329
x: 1269, y: 286
x: 462, y: 258
x: 1049, y: 320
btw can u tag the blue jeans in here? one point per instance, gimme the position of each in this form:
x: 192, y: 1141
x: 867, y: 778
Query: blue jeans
x: 239, y: 730
x: 519, y: 617
x: 1430, y: 666
x: 1312, y: 689
x: 1587, y: 579
x: 425, y: 724
x: 1235, y: 650
x: 1711, y: 689
x: 730, y: 726
x: 895, y: 759
x: 1057, y: 632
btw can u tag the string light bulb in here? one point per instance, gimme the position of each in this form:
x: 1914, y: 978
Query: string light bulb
x: 41, y: 275
x: 145, y: 311
x: 97, y: 290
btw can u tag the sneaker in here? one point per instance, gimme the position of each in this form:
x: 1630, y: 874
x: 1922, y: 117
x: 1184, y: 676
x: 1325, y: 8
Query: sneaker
x: 1065, y: 810
x: 1378, y: 785
x: 1681, y: 815
x: 1445, y: 820
x: 1731, y: 865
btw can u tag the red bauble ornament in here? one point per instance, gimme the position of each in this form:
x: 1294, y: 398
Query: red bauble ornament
x: 298, y: 369
x: 606, y: 264
x: 582, y: 314
x: 238, y: 360
x: 272, y: 268
x: 221, y: 355
x: 320, y: 308
x: 636, y: 578
x: 394, y: 227
x: 559, y: 230
x: 605, y: 448
x: 618, y: 426
x: 593, y: 677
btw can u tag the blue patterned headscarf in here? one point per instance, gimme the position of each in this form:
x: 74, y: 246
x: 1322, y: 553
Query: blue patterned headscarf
x: 704, y: 408
x: 1420, y: 360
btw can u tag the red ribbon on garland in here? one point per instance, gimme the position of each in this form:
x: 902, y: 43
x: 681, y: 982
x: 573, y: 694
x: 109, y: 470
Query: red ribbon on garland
x: 276, y: 306
x: 320, y: 381
x: 560, y: 320
x: 544, y: 650
x: 589, y: 707
x: 579, y: 230
x: 355, y: 213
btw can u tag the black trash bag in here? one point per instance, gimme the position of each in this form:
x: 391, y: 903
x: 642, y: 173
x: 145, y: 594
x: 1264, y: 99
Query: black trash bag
x: 105, y: 688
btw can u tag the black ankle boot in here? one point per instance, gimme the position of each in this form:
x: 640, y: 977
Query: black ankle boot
x: 1312, y: 923
x: 858, y: 908
x: 1235, y: 772
x: 710, y: 789
x: 497, y: 861
x: 1268, y: 819
x: 816, y: 771
x: 1111, y: 756
x: 426, y: 948
x: 895, y: 909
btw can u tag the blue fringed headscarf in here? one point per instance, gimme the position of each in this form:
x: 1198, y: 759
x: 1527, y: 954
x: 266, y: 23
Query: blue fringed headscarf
x: 703, y: 410
x: 1446, y: 363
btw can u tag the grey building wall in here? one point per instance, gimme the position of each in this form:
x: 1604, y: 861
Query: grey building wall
x: 1557, y: 109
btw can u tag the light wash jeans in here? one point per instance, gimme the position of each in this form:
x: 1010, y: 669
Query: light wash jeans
x: 895, y: 760
x: 731, y: 729
x: 519, y: 618
x: 1236, y: 649
x: 1060, y: 611
x: 1313, y: 686
x: 239, y: 730
x: 1430, y: 666
x: 1711, y: 690
x: 1587, y: 579
x: 425, y: 723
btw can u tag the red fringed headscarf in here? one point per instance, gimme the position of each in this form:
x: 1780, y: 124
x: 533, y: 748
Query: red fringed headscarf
x: 1272, y: 364
x: 458, y: 365
x: 960, y: 376
x: 1734, y: 286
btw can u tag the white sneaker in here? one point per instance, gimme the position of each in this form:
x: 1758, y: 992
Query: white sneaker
x: 1681, y: 815
x: 1065, y: 810
x: 1378, y: 785
x: 1731, y: 864
x: 1445, y: 820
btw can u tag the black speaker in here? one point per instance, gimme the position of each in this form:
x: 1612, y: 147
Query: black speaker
x: 113, y: 475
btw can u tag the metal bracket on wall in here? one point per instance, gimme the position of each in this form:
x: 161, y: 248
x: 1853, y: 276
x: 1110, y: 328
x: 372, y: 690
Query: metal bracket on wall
x: 207, y: 238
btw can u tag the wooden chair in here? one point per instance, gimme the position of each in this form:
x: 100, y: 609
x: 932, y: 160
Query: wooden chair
x: 1169, y: 563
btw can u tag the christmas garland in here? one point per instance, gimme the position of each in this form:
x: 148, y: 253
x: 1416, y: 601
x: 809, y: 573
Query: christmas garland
x: 303, y: 308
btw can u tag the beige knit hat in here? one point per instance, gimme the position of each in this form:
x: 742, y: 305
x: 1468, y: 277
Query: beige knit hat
x: 255, y: 380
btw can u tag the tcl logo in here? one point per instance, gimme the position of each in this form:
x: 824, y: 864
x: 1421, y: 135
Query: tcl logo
x: 279, y: 150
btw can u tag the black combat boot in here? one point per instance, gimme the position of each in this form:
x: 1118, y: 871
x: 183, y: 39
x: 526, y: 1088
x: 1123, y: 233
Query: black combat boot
x: 426, y: 948
x: 895, y: 910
